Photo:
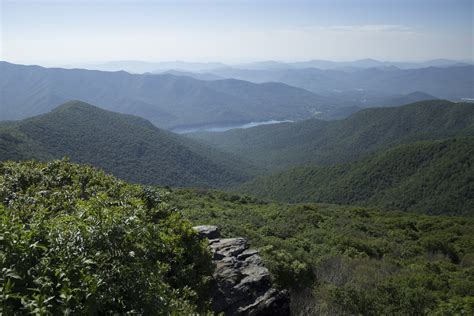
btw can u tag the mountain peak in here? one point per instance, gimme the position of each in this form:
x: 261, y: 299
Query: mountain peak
x: 425, y: 95
x: 74, y: 104
x: 368, y: 60
x: 128, y: 146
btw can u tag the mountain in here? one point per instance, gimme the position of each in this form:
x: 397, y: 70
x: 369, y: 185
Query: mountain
x: 373, y: 63
x: 413, y: 97
x: 330, y: 142
x: 195, y: 75
x: 268, y: 64
x: 166, y: 100
x: 129, y: 147
x: 339, y: 113
x: 140, y: 67
x: 362, y: 98
x: 451, y: 82
x: 326, y: 64
x: 431, y: 177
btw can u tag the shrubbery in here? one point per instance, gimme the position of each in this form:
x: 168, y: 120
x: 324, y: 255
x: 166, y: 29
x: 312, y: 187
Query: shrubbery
x: 343, y: 260
x: 76, y: 241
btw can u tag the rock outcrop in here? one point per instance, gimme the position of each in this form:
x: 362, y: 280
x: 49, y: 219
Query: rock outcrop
x: 242, y: 283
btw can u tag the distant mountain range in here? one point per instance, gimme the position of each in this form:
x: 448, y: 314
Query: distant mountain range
x: 350, y: 65
x: 136, y: 66
x: 453, y: 82
x: 140, y: 67
x: 441, y: 78
x: 431, y: 177
x: 177, y: 99
x: 284, y: 145
x: 195, y: 75
x: 166, y: 100
x: 128, y: 146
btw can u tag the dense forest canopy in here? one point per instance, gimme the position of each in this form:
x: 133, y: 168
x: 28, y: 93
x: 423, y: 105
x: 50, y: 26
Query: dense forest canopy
x: 431, y: 177
x: 325, y: 143
x: 130, y: 147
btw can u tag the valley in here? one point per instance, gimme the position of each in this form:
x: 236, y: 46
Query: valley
x: 329, y: 142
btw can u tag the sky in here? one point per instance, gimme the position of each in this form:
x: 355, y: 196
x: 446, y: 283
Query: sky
x: 80, y: 31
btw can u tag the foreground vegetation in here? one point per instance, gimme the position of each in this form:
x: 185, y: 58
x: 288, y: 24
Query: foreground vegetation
x: 76, y: 241
x: 431, y: 177
x: 350, y: 260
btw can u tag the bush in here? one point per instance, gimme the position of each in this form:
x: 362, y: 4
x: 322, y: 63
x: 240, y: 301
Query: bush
x: 456, y: 306
x: 365, y: 261
x: 287, y: 271
x: 76, y: 241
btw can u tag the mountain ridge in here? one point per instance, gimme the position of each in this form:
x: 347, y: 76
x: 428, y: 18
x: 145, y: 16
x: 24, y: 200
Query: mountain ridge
x: 130, y: 147
x: 166, y: 100
x: 430, y: 177
x: 453, y: 82
x: 329, y: 142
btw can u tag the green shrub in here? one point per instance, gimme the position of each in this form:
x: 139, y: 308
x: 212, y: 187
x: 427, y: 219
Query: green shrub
x: 76, y: 241
x: 462, y: 306
x: 287, y: 271
x: 348, y: 260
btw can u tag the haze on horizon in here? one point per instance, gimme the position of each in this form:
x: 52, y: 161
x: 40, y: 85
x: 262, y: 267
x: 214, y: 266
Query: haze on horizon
x: 64, y: 32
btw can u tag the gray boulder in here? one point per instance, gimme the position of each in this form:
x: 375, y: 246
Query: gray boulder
x: 242, y: 284
x: 207, y: 231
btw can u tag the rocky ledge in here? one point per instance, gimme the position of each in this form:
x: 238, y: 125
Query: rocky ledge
x: 242, y: 283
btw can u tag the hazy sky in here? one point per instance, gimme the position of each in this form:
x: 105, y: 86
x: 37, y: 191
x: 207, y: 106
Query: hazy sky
x: 62, y: 32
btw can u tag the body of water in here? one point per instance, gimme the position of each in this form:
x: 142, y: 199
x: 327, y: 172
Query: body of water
x: 223, y: 128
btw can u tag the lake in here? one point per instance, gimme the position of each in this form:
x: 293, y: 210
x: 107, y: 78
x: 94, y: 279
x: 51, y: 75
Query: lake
x: 223, y: 128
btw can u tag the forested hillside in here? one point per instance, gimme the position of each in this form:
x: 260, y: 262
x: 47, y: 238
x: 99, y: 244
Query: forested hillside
x: 129, y: 147
x: 326, y: 143
x: 431, y: 177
